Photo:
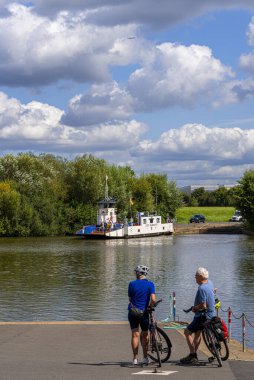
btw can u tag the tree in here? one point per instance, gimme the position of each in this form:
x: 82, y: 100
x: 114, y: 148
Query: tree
x: 9, y: 209
x: 244, y: 195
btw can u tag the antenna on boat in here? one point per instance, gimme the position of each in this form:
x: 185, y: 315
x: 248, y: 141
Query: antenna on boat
x: 156, y: 196
x: 106, y: 188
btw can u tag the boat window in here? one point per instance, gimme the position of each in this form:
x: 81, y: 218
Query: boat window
x: 144, y: 221
x: 158, y: 220
x: 151, y: 220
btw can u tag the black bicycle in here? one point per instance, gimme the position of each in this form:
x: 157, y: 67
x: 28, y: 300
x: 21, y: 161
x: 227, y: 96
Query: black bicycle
x: 159, y: 344
x: 216, y: 345
x: 220, y: 343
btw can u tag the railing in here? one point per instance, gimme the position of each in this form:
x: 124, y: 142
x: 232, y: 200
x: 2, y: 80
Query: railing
x: 243, y: 317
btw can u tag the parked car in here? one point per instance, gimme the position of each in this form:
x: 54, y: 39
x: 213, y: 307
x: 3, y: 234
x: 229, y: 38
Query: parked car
x: 237, y: 217
x: 197, y: 218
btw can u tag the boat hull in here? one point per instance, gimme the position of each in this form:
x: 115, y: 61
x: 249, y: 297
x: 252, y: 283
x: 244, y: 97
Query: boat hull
x: 127, y: 232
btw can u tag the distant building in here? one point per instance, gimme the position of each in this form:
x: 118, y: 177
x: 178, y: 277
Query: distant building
x: 189, y: 189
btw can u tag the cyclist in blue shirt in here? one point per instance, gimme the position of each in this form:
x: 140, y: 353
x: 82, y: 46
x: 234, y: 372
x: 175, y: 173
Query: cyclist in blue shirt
x: 203, y: 309
x: 141, y: 293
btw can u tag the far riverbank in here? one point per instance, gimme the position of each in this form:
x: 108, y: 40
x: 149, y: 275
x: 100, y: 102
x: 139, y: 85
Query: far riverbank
x: 209, y: 228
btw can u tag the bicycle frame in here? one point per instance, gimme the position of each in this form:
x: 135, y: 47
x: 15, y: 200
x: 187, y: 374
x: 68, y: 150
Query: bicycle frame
x: 159, y: 344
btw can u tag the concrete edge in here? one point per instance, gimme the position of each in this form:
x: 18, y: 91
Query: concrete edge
x: 64, y: 323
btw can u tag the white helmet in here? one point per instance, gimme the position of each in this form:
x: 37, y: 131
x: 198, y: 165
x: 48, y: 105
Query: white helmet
x: 141, y: 269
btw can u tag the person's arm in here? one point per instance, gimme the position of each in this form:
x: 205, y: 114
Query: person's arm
x: 199, y: 307
x: 153, y: 299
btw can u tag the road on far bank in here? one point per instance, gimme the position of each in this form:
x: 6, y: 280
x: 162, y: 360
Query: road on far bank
x: 209, y: 228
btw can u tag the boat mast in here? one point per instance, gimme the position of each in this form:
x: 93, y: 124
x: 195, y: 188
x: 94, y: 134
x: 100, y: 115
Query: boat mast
x: 106, y: 188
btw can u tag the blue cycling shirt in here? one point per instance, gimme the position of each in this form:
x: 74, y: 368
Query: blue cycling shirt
x: 140, y: 292
x: 205, y: 294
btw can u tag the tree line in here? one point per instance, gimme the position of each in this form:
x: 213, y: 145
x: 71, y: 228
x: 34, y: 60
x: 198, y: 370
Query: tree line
x: 221, y: 197
x: 42, y: 195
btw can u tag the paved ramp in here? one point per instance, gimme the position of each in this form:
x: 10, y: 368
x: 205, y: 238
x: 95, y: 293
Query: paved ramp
x: 75, y: 351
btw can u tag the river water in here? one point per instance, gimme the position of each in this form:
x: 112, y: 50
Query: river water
x: 69, y: 278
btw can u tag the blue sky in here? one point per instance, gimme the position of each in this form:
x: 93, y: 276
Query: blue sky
x: 164, y: 87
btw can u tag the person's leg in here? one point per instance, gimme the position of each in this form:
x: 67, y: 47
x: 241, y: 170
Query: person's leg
x: 135, y: 342
x: 193, y: 343
x: 144, y: 324
x: 197, y: 340
x: 134, y: 325
x: 144, y: 342
x: 190, y: 340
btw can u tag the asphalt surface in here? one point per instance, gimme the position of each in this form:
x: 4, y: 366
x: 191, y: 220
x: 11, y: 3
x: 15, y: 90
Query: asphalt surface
x: 75, y: 351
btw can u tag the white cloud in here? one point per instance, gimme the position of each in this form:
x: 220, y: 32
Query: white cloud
x: 100, y: 104
x: 178, y: 75
x: 170, y: 75
x: 234, y: 92
x: 37, y: 126
x: 34, y: 123
x: 36, y: 50
x: 246, y: 61
x: 195, y: 142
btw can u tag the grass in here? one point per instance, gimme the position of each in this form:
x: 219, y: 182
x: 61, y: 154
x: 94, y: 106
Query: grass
x: 212, y: 214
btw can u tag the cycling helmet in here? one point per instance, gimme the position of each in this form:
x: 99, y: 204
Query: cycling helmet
x: 141, y: 269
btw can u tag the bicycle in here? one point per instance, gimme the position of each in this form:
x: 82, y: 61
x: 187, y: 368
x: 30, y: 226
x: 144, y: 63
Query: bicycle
x: 221, y: 344
x: 218, y: 347
x: 159, y: 344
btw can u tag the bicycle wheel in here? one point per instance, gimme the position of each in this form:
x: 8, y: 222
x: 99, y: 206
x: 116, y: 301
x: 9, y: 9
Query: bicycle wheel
x: 212, y: 344
x: 224, y: 350
x: 222, y: 347
x: 163, y: 344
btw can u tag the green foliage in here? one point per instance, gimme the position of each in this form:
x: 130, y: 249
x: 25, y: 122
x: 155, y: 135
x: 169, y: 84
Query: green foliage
x: 48, y: 195
x: 9, y: 208
x: 245, y: 197
x: 219, y: 197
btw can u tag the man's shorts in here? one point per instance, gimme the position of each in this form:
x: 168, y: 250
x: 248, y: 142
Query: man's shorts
x: 197, y: 324
x: 135, y: 322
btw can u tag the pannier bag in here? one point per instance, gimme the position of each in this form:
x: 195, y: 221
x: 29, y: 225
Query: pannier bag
x: 220, y: 328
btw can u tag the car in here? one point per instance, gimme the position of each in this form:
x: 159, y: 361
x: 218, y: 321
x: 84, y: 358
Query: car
x: 197, y: 218
x: 237, y: 217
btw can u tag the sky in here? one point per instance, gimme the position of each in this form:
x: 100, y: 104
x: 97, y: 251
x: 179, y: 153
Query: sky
x: 163, y: 86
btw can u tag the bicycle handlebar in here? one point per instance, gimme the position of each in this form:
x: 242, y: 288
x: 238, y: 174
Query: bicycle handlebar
x: 188, y: 310
x: 157, y: 302
x: 152, y: 308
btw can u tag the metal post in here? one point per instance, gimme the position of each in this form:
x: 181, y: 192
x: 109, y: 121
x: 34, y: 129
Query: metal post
x: 174, y: 306
x: 229, y: 323
x: 244, y: 330
x: 169, y: 318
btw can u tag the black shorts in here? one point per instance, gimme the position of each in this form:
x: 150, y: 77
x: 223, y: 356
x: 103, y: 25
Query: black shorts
x: 197, y: 324
x: 135, y: 322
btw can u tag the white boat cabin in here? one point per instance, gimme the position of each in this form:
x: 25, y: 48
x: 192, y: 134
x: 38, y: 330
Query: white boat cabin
x: 106, y: 212
x: 148, y: 219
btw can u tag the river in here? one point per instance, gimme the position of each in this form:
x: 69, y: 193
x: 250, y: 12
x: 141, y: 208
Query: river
x: 68, y: 278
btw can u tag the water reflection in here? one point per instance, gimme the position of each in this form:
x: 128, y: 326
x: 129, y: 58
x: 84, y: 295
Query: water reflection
x: 69, y: 278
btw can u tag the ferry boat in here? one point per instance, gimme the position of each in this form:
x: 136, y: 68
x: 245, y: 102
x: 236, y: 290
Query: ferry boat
x: 107, y: 226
